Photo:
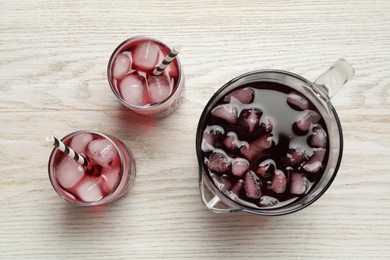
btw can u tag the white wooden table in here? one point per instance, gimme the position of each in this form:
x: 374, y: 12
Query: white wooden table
x: 53, y: 81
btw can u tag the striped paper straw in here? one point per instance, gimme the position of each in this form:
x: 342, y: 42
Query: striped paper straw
x: 90, y: 169
x: 167, y: 60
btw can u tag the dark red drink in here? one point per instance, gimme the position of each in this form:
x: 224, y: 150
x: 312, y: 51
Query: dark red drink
x: 264, y: 145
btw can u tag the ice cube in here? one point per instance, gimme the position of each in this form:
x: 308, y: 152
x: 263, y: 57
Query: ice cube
x: 121, y: 66
x: 102, y: 152
x: 244, y: 95
x: 298, y: 183
x: 239, y: 166
x: 297, y: 101
x: 304, y: 122
x: 257, y: 146
x: 231, y: 141
x: 266, y: 168
x: 211, y: 136
x: 222, y: 182
x: 110, y: 178
x: 218, y: 163
x: 80, y: 142
x: 252, y: 185
x: 267, y: 124
x: 159, y: 89
x: 262, y: 170
x: 133, y: 89
x: 145, y: 56
x: 88, y: 189
x: 279, y: 182
x: 249, y: 119
x: 227, y: 112
x: 68, y: 172
x: 314, y: 164
x: 318, y: 138
x: 206, y: 146
x: 129, y: 55
x: 237, y: 187
x: 295, y: 156
x: 268, y: 201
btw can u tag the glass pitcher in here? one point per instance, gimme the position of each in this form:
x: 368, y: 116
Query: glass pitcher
x: 318, y: 93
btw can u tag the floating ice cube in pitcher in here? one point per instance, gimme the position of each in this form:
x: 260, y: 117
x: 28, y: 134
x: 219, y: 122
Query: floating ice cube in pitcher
x: 297, y: 101
x: 252, y: 185
x: 240, y: 166
x: 227, y: 112
x: 244, y: 95
x: 304, y: 122
x: 211, y: 135
x: 298, y: 183
x: 314, y: 164
x: 318, y: 138
x: 279, y: 182
x: 218, y: 162
x: 249, y: 119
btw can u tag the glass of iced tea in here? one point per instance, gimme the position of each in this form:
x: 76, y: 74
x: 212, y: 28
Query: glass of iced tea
x: 132, y: 78
x: 114, y: 166
x: 269, y: 142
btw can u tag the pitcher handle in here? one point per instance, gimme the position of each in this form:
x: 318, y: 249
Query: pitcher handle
x: 335, y: 77
x: 212, y: 201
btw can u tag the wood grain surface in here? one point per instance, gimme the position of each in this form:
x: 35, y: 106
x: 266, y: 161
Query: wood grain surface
x: 53, y: 80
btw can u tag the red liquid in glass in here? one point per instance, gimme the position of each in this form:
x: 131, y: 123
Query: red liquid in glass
x: 132, y: 77
x: 72, y: 179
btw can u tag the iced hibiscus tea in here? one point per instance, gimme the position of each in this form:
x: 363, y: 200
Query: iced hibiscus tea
x: 130, y: 75
x: 264, y: 145
x: 114, y: 163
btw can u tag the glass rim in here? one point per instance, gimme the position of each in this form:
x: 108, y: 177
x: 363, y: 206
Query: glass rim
x: 55, y: 184
x: 121, y: 99
x: 270, y: 211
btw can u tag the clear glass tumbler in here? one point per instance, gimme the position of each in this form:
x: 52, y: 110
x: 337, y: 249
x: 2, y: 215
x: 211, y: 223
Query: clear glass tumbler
x: 115, y: 162
x: 142, y: 54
